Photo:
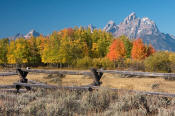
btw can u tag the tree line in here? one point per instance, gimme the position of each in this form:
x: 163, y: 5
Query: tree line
x: 75, y: 47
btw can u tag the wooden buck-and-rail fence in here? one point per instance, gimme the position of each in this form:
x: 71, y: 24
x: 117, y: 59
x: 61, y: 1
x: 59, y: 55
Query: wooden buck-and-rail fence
x: 96, y: 74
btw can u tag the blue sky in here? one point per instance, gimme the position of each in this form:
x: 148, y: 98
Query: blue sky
x: 46, y: 16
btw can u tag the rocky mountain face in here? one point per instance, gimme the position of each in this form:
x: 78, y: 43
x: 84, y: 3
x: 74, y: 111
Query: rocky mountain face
x: 28, y: 35
x: 111, y: 27
x: 134, y: 27
x: 32, y: 33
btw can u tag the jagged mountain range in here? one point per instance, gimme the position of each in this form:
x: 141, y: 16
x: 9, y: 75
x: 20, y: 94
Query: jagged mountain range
x: 28, y: 35
x: 133, y: 27
x: 144, y: 28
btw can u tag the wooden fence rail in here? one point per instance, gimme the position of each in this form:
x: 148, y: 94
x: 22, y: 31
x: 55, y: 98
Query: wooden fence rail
x: 82, y: 88
x: 137, y: 73
x: 8, y: 74
x: 77, y: 72
x: 88, y: 73
x: 46, y: 86
x: 65, y: 72
x: 7, y: 86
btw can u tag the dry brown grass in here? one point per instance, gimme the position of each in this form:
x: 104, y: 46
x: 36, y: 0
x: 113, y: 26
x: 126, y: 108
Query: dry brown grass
x: 141, y: 84
x: 109, y: 80
x: 102, y: 102
x: 5, y: 80
x: 68, y: 80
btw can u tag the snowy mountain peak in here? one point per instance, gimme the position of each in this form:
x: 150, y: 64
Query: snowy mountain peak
x: 111, y: 22
x: 148, y: 26
x: 131, y: 17
x: 133, y: 27
x: 147, y: 21
x: 144, y: 28
x: 28, y: 35
x: 111, y: 27
x: 32, y: 33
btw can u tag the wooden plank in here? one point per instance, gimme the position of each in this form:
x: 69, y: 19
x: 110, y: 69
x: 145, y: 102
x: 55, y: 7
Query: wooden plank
x: 91, y: 88
x: 8, y: 74
x: 7, y: 86
x: 136, y: 73
x: 34, y: 82
x: 53, y: 87
x: 36, y: 85
x: 77, y: 88
x: 77, y: 72
x: 65, y: 72
x: 159, y: 93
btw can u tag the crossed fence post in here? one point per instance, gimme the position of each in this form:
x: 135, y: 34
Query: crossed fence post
x: 22, y: 74
x: 97, y: 76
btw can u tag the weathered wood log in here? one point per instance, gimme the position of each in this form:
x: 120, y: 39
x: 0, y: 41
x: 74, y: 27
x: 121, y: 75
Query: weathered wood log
x: 36, y: 85
x: 89, y: 88
x: 34, y: 82
x: 92, y: 88
x: 53, y: 87
x: 159, y: 93
x: 7, y: 86
x: 65, y: 72
x: 14, y: 86
x: 154, y: 93
x: 136, y: 73
x: 8, y: 74
x: 76, y: 72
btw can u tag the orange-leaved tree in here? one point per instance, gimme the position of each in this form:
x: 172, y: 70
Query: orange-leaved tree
x: 116, y: 50
x: 138, y: 50
x: 141, y: 51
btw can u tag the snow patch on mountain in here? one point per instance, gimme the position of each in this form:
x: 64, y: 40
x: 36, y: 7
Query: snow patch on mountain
x: 111, y: 27
x: 32, y: 33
